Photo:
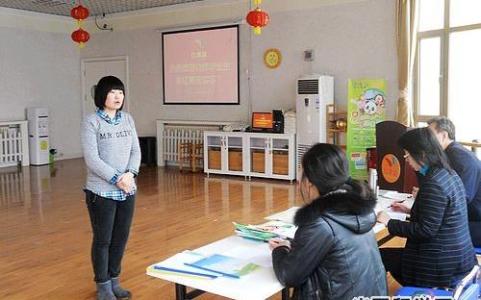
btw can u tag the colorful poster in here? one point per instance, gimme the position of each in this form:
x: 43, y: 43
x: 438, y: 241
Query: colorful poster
x: 365, y: 108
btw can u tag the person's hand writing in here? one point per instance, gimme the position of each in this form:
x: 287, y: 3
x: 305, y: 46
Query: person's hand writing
x: 399, y: 207
x: 383, y: 217
x: 276, y: 242
x: 126, y: 182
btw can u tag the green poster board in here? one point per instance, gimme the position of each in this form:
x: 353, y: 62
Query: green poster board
x: 365, y: 108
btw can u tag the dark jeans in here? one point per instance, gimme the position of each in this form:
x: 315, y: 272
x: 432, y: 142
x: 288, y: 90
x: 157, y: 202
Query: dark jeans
x: 392, y: 260
x: 111, y: 222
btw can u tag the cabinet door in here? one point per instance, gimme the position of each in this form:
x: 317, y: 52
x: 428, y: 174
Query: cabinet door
x: 258, y: 150
x: 234, y: 153
x: 214, y: 152
x: 280, y: 148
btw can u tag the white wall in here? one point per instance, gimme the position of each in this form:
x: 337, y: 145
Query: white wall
x: 39, y: 64
x: 41, y: 68
x: 351, y: 39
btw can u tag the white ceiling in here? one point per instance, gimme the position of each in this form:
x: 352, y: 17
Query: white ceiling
x: 96, y: 7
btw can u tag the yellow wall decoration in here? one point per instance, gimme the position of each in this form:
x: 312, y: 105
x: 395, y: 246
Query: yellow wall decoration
x: 272, y: 58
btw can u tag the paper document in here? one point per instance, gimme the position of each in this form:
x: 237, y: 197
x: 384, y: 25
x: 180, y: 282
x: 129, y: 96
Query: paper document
x: 176, y: 265
x: 266, y: 231
x: 394, y: 195
x: 386, y: 200
x: 225, y: 265
x: 286, y: 216
x: 396, y: 215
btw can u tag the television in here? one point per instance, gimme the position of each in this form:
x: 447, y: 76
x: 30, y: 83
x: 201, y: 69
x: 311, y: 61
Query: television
x: 262, y: 121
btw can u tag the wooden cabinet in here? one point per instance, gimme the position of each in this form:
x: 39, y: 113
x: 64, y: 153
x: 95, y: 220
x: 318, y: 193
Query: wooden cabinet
x: 272, y: 155
x: 250, y: 154
x: 223, y: 153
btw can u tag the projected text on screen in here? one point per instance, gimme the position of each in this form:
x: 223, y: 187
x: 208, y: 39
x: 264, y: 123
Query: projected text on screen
x: 201, y: 66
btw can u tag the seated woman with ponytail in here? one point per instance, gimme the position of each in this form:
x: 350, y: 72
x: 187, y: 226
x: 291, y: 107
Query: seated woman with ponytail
x: 334, y: 254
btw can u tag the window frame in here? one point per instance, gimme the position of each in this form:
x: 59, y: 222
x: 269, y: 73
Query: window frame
x: 444, y: 35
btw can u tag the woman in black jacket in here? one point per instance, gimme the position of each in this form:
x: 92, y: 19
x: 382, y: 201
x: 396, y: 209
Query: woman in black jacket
x: 438, y: 251
x: 334, y: 254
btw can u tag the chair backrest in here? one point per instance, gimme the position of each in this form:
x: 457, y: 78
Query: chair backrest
x: 465, y: 284
x: 471, y: 293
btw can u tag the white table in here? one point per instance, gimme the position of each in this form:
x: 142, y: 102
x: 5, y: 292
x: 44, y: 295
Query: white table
x: 260, y: 284
x: 384, y: 201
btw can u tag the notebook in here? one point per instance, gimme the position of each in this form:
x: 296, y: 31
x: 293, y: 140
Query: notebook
x: 224, y: 265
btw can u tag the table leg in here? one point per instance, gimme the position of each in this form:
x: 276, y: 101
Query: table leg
x: 180, y: 291
x: 285, y: 293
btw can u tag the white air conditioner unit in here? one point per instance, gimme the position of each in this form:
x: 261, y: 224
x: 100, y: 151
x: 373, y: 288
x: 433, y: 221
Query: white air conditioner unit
x: 314, y: 92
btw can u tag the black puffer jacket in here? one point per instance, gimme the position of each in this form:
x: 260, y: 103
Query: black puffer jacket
x: 334, y: 254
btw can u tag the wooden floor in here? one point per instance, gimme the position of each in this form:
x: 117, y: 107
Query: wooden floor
x: 45, y: 234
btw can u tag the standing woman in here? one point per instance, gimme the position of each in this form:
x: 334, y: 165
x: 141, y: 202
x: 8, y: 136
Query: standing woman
x: 334, y: 254
x: 112, y: 155
x: 438, y: 251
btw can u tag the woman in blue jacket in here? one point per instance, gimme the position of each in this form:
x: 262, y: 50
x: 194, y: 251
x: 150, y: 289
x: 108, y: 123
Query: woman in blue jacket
x: 438, y: 251
x: 334, y: 254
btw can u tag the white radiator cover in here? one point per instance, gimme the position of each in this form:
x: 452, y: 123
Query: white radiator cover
x: 170, y: 133
x: 13, y: 144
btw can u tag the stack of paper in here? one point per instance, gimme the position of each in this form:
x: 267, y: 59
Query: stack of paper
x: 387, y: 198
x: 266, y: 231
x: 177, y: 265
x: 394, y: 195
x: 224, y: 265
x: 286, y: 216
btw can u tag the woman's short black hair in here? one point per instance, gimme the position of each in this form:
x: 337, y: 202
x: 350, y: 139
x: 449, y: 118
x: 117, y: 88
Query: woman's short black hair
x: 424, y: 148
x: 104, y: 86
x: 325, y: 166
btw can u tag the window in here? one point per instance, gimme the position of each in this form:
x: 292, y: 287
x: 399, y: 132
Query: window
x: 448, y: 64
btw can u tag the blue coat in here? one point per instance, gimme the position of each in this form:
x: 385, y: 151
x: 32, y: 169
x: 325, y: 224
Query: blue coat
x: 468, y: 167
x: 438, y: 249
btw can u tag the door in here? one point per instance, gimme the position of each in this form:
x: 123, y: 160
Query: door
x: 95, y: 68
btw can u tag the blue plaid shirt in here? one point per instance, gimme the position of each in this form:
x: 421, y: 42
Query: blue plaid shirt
x: 118, y: 194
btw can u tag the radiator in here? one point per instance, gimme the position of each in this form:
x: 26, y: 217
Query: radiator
x: 170, y: 133
x: 175, y: 135
x: 13, y: 144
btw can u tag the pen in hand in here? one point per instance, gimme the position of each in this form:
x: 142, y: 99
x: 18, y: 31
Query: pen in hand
x: 395, y: 202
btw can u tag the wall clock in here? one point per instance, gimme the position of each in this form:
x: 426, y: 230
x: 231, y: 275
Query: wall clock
x: 272, y: 58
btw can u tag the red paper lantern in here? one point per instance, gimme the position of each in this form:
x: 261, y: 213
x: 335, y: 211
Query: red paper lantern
x: 79, y: 13
x: 80, y: 36
x: 257, y: 19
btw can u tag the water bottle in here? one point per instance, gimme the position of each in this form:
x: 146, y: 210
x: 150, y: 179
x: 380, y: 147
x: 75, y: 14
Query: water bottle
x: 373, y: 180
